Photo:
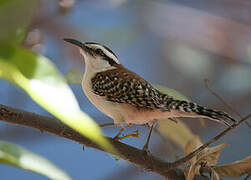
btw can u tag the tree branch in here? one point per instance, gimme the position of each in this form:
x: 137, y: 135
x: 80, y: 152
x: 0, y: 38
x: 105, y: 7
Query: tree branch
x: 198, y: 150
x: 126, y: 152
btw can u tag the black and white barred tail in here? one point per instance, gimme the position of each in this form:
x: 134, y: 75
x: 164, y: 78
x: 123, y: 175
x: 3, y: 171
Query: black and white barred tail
x: 192, y: 108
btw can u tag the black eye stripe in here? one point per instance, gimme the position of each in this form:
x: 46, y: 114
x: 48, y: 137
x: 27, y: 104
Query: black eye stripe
x: 100, y: 52
x: 108, y: 49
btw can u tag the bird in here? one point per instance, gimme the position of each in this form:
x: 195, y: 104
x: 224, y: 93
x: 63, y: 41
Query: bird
x: 127, y: 98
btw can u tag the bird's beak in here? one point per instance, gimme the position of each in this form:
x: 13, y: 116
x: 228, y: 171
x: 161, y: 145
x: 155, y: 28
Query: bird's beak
x: 84, y: 49
x: 74, y: 41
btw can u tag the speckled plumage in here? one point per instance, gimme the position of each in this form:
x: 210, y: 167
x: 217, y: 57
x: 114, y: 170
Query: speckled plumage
x: 123, y: 86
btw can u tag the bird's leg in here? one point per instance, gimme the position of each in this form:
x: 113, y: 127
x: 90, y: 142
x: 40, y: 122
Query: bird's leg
x: 106, y: 125
x: 174, y: 119
x: 145, y: 148
x: 132, y: 134
x: 120, y: 132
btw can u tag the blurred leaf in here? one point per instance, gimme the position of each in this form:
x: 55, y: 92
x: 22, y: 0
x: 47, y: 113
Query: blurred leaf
x: 74, y: 76
x: 214, y: 175
x: 189, y: 172
x: 235, y: 169
x: 40, y: 79
x: 171, y: 92
x: 191, y: 145
x: 15, y: 16
x: 17, y: 156
x: 202, y: 122
x: 179, y: 133
x: 211, y: 155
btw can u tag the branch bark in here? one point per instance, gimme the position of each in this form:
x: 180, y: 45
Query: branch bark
x: 126, y: 152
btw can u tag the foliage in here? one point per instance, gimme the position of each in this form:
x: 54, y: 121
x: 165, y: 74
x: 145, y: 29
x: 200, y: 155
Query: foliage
x: 207, y: 161
x: 17, y: 156
x: 38, y: 77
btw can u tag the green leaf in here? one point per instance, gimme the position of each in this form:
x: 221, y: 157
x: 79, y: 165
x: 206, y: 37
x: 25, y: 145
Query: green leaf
x: 235, y: 169
x: 17, y: 156
x: 15, y: 16
x: 171, y: 92
x: 74, y: 76
x: 179, y: 133
x: 40, y: 79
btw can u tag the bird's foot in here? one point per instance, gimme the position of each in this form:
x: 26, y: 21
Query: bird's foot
x: 131, y: 134
x: 146, y: 150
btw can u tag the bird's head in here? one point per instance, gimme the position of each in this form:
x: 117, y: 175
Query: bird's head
x: 97, y: 57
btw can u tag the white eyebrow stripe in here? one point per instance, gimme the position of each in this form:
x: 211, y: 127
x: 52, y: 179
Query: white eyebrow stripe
x: 107, y: 52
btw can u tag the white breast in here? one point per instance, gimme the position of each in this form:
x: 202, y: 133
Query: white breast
x: 108, y: 108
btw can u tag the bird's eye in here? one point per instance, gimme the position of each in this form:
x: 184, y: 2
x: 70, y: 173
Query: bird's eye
x: 100, y: 52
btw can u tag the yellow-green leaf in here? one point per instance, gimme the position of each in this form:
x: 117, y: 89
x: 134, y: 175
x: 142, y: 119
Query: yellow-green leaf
x: 74, y: 76
x: 15, y: 16
x: 235, y: 169
x: 179, y: 133
x: 38, y: 76
x: 171, y: 92
x: 17, y: 156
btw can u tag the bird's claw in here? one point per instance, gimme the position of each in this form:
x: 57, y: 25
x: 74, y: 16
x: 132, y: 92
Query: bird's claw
x: 146, y: 150
x: 132, y: 134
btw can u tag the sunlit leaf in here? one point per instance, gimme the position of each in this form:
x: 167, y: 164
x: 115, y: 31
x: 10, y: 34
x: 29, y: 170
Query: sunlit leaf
x: 235, y: 169
x: 74, y: 76
x: 17, y: 156
x: 179, y: 133
x: 15, y: 16
x: 40, y: 79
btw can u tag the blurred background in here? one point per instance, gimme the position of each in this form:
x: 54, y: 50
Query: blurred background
x: 177, y: 44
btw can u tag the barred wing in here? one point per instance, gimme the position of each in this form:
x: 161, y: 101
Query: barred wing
x: 123, y: 86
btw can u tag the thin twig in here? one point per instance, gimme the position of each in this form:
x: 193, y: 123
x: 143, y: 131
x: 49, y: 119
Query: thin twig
x: 224, y: 102
x: 198, y: 150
